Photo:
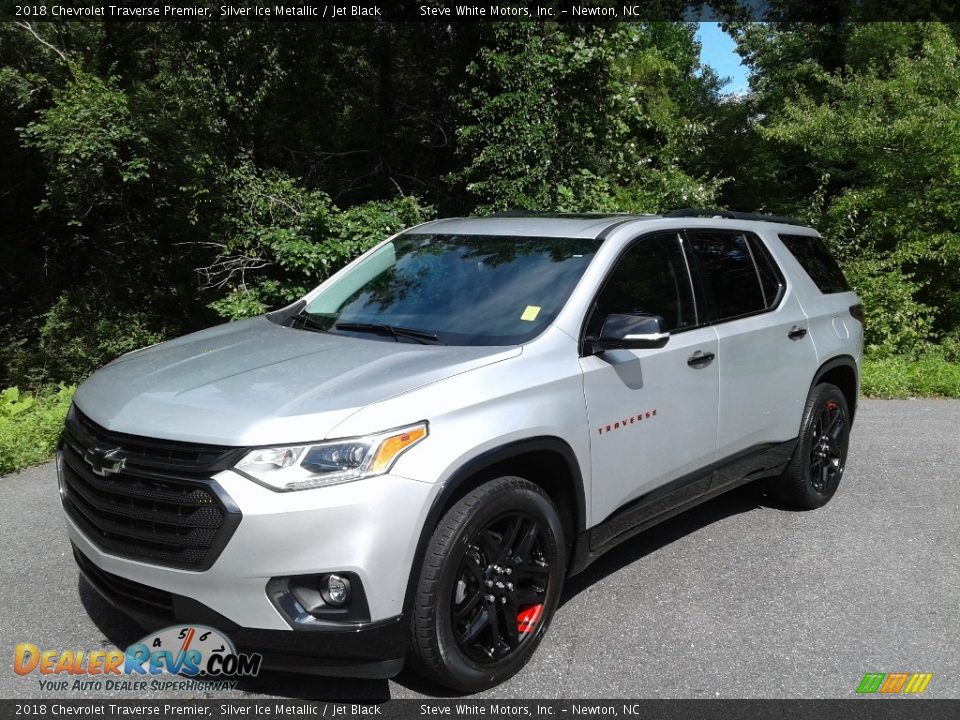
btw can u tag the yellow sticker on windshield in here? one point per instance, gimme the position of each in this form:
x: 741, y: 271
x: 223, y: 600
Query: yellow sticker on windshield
x: 530, y: 314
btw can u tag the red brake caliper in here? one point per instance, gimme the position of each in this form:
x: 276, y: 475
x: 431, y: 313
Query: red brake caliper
x: 528, y: 617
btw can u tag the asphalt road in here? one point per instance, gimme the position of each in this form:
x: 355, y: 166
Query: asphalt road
x: 737, y: 598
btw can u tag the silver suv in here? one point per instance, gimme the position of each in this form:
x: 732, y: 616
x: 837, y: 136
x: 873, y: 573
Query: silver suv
x: 408, y: 462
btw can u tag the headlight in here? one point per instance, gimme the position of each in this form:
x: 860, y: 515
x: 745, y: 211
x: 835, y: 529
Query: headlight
x: 299, y: 467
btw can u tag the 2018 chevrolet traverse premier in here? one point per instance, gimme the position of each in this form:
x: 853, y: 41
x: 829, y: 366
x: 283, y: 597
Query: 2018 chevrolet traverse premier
x: 408, y: 462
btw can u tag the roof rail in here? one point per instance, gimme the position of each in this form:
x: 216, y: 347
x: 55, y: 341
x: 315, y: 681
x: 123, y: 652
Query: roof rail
x: 733, y: 215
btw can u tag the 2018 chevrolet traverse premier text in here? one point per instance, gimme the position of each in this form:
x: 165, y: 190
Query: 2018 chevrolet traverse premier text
x: 408, y: 462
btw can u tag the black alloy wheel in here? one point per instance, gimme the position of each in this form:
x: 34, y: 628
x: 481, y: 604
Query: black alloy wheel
x: 490, y: 582
x: 826, y: 454
x: 501, y: 588
x: 816, y: 468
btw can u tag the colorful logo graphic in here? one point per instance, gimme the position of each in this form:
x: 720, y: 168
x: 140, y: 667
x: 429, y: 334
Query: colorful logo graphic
x: 893, y: 683
x: 193, y: 651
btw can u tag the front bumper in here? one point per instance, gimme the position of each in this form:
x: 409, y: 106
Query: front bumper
x: 369, y: 528
x: 370, y: 650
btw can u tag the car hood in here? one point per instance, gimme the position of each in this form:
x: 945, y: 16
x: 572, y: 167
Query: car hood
x: 254, y: 382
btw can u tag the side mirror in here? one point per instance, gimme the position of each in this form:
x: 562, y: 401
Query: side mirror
x: 631, y: 331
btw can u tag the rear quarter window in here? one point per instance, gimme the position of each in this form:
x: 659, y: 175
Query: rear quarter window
x: 813, y: 256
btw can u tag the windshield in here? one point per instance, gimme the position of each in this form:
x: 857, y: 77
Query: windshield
x: 454, y: 289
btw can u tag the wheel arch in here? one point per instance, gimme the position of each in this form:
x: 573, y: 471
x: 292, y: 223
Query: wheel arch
x: 841, y: 371
x: 546, y: 461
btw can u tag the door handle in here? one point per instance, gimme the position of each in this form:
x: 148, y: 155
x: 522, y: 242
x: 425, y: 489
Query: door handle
x: 796, y: 332
x: 700, y: 359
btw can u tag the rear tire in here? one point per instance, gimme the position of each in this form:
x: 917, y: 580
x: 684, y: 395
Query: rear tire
x: 489, y: 585
x: 816, y: 468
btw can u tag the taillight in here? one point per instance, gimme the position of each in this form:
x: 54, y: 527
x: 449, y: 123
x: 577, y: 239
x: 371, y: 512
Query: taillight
x: 857, y: 312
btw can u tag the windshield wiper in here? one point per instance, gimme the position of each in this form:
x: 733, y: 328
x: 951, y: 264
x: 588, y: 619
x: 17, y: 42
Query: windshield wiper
x: 307, y: 322
x: 424, y: 338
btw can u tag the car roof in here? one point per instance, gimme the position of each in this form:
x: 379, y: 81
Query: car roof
x: 579, y: 225
x: 582, y: 225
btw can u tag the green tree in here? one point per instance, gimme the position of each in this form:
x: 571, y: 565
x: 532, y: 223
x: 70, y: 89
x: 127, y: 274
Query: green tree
x: 873, y: 136
x: 132, y: 149
x: 583, y: 117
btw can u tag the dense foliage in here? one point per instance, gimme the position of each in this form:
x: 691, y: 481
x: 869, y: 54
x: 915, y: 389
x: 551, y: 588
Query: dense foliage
x: 867, y: 129
x: 927, y: 375
x: 584, y: 118
x: 30, y: 425
x: 159, y: 178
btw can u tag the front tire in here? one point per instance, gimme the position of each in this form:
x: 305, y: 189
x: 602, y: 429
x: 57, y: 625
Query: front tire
x: 489, y: 585
x: 816, y: 468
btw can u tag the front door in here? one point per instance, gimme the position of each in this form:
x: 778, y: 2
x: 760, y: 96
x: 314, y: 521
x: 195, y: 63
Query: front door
x: 652, y: 413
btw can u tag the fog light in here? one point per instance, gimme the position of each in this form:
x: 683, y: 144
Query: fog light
x: 336, y: 590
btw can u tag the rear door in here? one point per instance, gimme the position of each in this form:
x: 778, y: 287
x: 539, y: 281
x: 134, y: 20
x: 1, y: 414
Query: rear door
x: 652, y: 413
x: 765, y: 350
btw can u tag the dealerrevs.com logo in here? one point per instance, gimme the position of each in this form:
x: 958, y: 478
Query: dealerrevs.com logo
x: 202, y: 654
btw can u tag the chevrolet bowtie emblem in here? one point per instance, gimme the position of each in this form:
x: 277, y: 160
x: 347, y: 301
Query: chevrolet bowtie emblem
x: 104, y: 462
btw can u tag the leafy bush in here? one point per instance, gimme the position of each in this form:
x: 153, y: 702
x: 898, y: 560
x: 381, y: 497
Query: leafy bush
x: 30, y: 425
x: 897, y: 323
x: 79, y: 334
x: 88, y: 134
x: 929, y: 375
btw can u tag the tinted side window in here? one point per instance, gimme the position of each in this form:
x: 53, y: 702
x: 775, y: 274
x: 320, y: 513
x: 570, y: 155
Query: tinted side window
x: 729, y: 275
x: 650, y: 278
x: 813, y: 256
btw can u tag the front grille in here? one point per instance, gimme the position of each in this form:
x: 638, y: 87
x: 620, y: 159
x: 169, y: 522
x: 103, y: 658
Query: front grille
x: 151, y: 601
x: 159, y: 507
x: 152, y: 454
